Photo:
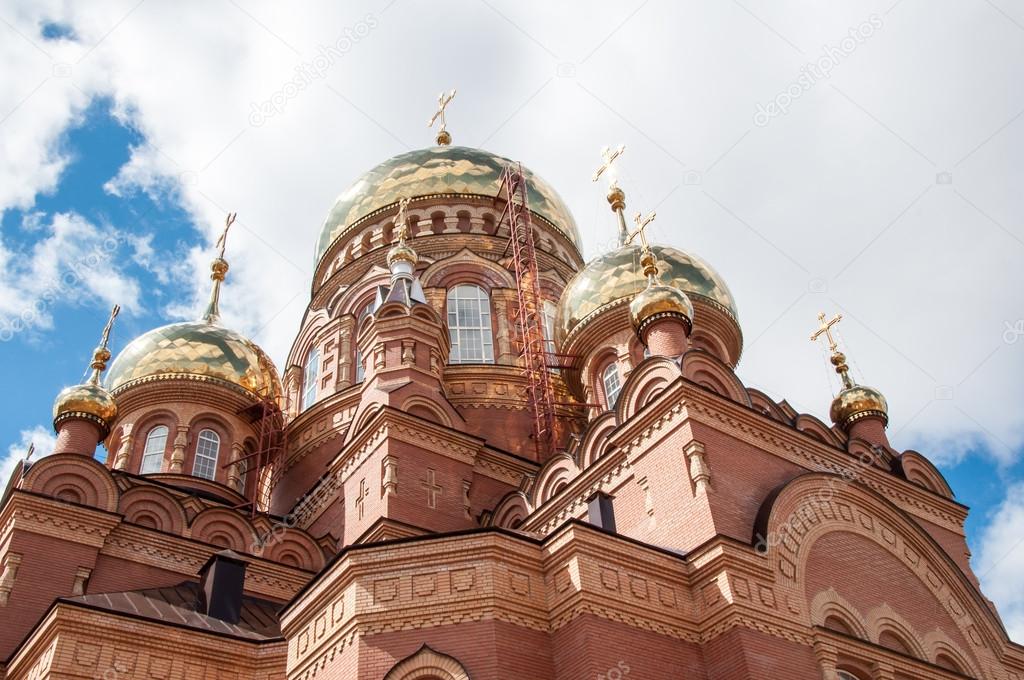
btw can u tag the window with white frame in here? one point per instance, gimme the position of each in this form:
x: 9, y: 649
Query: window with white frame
x: 153, y: 454
x: 309, y: 378
x: 549, y: 311
x: 207, y: 449
x: 469, y: 325
x: 360, y: 366
x: 612, y: 384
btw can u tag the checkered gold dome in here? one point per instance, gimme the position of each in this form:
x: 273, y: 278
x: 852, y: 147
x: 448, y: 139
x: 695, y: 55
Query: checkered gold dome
x: 197, y: 350
x: 438, y: 171
x: 618, y: 276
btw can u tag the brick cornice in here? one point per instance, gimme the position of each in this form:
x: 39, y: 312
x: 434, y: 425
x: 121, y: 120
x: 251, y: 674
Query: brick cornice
x: 25, y: 511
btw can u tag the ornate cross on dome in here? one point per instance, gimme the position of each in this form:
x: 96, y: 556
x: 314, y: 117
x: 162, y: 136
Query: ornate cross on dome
x: 826, y: 329
x: 838, y: 359
x: 641, y: 230
x: 222, y: 240
x: 401, y: 220
x: 609, y: 156
x: 105, y: 338
x: 443, y: 100
x: 101, y: 354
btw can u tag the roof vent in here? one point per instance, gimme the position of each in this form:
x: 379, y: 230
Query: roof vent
x: 222, y: 581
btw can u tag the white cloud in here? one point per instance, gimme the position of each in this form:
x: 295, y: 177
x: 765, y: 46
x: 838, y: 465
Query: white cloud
x: 1000, y: 561
x: 72, y: 262
x: 38, y: 435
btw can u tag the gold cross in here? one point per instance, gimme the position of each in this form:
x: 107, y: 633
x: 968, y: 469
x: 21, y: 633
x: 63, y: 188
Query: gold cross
x: 222, y: 240
x: 826, y: 329
x: 609, y: 156
x: 443, y: 100
x: 641, y: 230
x: 401, y: 221
x: 110, y: 324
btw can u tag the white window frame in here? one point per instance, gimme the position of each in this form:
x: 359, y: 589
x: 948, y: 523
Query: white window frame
x: 207, y: 452
x: 463, y: 335
x: 310, y: 376
x: 360, y: 367
x: 154, y: 452
x: 611, y: 380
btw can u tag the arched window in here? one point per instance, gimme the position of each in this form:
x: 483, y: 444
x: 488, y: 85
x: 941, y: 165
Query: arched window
x: 153, y: 454
x: 612, y: 384
x: 469, y: 325
x: 846, y: 675
x: 549, y: 311
x: 207, y: 449
x: 360, y: 366
x: 309, y: 378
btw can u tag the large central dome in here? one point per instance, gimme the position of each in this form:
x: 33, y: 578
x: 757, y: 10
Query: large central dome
x: 197, y: 350
x: 438, y: 171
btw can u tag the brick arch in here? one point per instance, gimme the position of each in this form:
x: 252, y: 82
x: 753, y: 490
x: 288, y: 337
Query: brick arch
x: 296, y: 548
x: 512, y: 510
x: 422, y: 407
x: 558, y: 471
x: 466, y: 267
x: 224, y: 528
x: 813, y: 427
x: 141, y: 429
x: 645, y: 383
x: 595, y: 442
x: 885, y: 620
x: 829, y: 603
x: 817, y: 505
x: 939, y: 644
x: 919, y: 470
x: 707, y: 370
x: 74, y: 478
x: 764, y: 404
x: 426, y: 664
x: 153, y: 507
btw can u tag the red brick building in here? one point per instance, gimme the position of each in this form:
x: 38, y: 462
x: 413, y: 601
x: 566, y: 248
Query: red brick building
x: 412, y: 498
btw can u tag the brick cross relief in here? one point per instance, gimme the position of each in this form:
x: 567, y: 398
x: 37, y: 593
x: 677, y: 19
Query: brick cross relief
x: 433, y: 488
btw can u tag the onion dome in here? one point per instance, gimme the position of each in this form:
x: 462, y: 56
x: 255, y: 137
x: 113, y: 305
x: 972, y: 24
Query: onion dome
x: 657, y: 301
x: 442, y: 171
x: 854, y: 401
x: 203, y: 351
x: 617, y: 278
x: 90, y: 401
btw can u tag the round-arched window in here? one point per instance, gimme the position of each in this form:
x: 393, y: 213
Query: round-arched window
x: 309, y: 377
x: 612, y: 380
x: 469, y: 325
x: 207, y: 449
x: 153, y: 454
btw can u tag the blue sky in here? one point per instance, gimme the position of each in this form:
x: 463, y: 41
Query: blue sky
x: 888, y: 190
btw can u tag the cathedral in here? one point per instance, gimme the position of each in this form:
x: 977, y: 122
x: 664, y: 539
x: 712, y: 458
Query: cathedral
x: 484, y: 458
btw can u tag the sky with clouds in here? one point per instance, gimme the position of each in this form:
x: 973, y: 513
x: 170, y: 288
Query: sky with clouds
x: 862, y: 158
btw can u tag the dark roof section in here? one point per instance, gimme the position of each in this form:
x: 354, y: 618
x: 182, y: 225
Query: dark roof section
x: 181, y: 606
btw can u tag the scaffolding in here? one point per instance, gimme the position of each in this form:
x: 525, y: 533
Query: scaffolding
x: 263, y: 464
x: 529, y: 314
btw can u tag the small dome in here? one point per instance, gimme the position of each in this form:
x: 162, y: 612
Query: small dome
x: 857, y: 402
x: 658, y: 302
x: 88, y: 402
x: 618, y: 277
x: 438, y: 171
x: 401, y: 253
x: 199, y: 350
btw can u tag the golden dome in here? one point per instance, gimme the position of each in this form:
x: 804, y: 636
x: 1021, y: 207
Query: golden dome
x: 198, y: 350
x: 658, y: 302
x: 401, y: 252
x: 856, y: 402
x: 438, y: 171
x: 617, y: 277
x: 87, y: 402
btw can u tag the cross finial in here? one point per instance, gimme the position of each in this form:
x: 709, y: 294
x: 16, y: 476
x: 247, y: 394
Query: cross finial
x: 222, y: 240
x: 105, y: 338
x: 608, y: 155
x: 641, y: 230
x: 825, y: 328
x: 443, y: 100
x: 101, y: 354
x: 401, y: 220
